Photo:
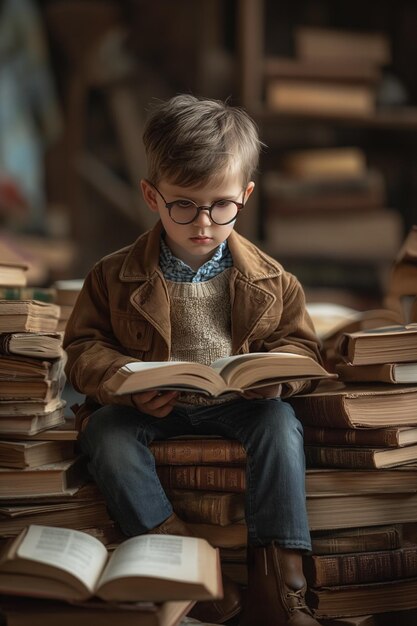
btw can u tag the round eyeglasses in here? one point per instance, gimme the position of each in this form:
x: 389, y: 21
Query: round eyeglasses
x: 184, y: 211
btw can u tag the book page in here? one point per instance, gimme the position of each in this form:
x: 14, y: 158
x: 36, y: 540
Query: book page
x: 140, y: 366
x: 163, y: 556
x: 73, y: 551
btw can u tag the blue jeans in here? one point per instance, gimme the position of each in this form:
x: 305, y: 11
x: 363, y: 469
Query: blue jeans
x: 116, y: 441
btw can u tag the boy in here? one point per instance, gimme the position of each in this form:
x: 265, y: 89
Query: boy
x: 193, y: 289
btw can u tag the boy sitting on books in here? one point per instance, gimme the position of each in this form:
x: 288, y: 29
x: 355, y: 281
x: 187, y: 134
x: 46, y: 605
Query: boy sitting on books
x: 193, y: 289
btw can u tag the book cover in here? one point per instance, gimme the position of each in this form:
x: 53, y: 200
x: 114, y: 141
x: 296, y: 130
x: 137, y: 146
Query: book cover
x: 360, y: 539
x: 198, y: 452
x: 368, y: 437
x: 359, y: 458
x: 366, y: 567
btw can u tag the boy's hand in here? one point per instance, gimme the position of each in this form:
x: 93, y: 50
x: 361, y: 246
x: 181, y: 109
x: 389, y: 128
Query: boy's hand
x: 154, y: 402
x: 271, y: 391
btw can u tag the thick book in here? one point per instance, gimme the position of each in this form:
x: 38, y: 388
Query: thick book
x: 205, y: 507
x: 13, y: 267
x: 43, y: 480
x: 23, y: 378
x: 365, y: 567
x: 29, y: 408
x: 64, y: 430
x: 328, y: 511
x: 401, y: 479
x: 22, y: 454
x: 198, y: 452
x: 204, y: 477
x: 337, y: 405
x: 28, y: 316
x: 59, y: 563
x: 38, y: 345
x: 75, y: 515
x: 38, y: 612
x: 21, y: 425
x: 387, y: 344
x: 360, y: 539
x: 379, y: 372
x: 358, y: 458
x: 361, y: 48
x: 319, y: 97
x: 323, y: 70
x: 230, y: 374
x: 371, y: 437
x: 361, y: 599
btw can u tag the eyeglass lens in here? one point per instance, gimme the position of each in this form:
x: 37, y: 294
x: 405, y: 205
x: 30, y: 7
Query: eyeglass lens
x: 221, y: 212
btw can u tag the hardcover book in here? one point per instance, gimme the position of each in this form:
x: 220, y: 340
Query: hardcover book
x: 205, y: 507
x: 39, y: 345
x: 46, y: 479
x: 21, y: 454
x: 367, y: 437
x: 359, y: 539
x: 382, y: 372
x: 359, y: 458
x: 366, y: 567
x: 336, y: 405
x: 37, y: 612
x: 230, y: 374
x: 59, y: 563
x: 28, y: 316
x: 387, y: 344
x: 198, y: 452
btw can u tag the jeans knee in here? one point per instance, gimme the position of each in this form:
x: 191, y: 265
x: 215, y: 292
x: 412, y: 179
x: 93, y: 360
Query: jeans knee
x: 108, y: 430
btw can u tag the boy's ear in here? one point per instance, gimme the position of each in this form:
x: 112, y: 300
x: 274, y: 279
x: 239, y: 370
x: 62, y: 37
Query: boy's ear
x: 149, y: 195
x: 250, y: 187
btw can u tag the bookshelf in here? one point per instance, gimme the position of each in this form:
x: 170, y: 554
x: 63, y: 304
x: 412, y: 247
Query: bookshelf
x: 387, y: 136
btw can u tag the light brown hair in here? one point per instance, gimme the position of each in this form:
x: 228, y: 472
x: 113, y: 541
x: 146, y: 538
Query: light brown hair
x: 190, y: 141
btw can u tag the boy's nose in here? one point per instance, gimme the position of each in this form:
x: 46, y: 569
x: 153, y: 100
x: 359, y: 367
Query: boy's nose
x: 203, y: 217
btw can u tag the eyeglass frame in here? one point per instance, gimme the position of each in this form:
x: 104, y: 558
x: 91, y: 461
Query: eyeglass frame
x: 169, y: 205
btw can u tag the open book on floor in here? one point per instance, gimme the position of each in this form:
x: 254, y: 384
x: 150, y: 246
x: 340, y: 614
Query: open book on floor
x: 230, y: 374
x: 58, y: 563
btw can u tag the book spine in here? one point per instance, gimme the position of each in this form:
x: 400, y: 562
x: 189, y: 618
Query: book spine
x: 206, y: 478
x: 196, y: 452
x: 326, y: 411
x: 208, y: 508
x: 379, y: 540
x: 380, y: 437
x: 5, y: 343
x: 350, y: 569
x: 322, y: 456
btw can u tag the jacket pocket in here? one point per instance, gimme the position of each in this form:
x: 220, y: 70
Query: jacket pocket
x: 133, y: 332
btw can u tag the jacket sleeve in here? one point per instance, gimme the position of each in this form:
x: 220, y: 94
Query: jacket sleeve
x: 294, y: 332
x: 93, y: 352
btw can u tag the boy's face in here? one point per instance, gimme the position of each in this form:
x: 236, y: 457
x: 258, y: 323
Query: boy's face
x: 196, y: 242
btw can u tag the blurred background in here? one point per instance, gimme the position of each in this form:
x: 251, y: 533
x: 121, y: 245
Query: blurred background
x: 332, y: 86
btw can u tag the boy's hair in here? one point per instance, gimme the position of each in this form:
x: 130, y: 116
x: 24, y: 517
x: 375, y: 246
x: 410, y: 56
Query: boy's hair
x: 191, y: 141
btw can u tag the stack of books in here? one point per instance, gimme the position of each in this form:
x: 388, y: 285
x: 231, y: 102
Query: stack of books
x: 361, y: 444
x: 41, y: 471
x: 401, y: 294
x: 333, y: 72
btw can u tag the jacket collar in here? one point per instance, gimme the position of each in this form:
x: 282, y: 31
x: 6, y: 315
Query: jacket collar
x: 142, y: 260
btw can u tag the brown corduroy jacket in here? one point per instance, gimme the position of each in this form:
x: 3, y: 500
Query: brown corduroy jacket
x: 123, y: 314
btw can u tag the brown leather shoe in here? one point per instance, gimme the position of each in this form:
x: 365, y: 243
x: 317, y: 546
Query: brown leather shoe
x: 173, y: 525
x: 219, y: 611
x: 276, y: 589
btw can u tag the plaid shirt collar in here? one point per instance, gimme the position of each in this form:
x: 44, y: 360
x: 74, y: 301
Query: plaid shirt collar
x: 176, y: 270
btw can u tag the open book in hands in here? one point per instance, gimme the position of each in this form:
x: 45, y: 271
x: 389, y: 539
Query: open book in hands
x: 230, y: 374
x: 58, y: 563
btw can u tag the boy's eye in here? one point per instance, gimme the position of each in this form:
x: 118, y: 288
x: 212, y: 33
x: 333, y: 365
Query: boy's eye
x: 184, y: 204
x: 221, y: 204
